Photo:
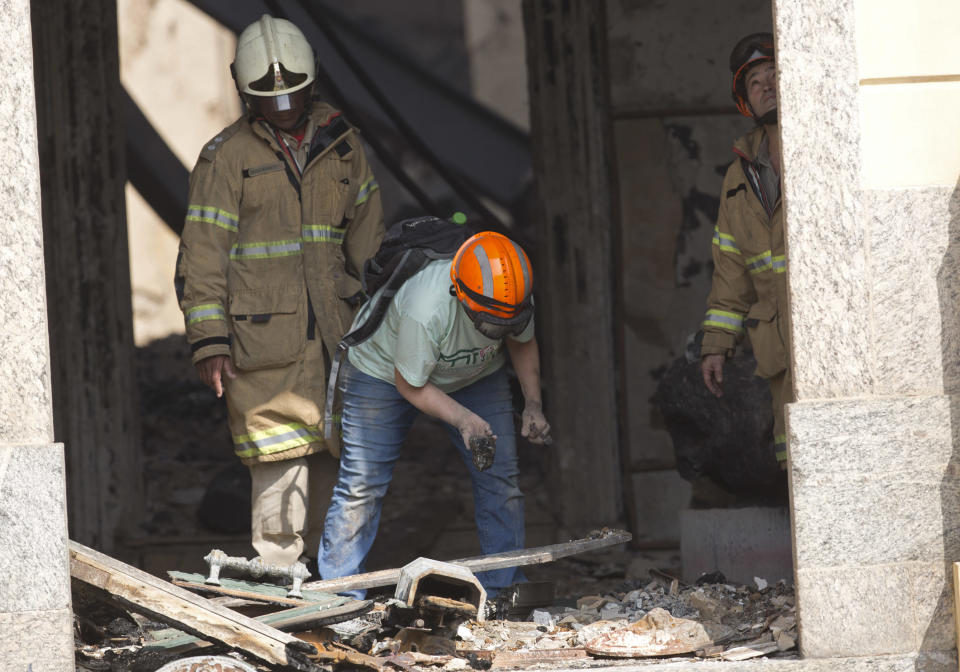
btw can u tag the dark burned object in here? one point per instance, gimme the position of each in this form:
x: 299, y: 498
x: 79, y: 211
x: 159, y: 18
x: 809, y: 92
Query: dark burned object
x: 483, y: 449
x: 447, y: 604
x: 723, y: 444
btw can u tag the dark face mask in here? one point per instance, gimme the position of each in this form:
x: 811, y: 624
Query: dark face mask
x: 498, y: 328
x: 495, y: 331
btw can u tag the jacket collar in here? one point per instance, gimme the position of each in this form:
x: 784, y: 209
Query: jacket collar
x: 748, y: 146
x: 321, y: 114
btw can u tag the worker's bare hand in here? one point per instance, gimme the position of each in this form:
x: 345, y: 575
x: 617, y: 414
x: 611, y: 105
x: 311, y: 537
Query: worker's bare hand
x: 213, y: 369
x: 472, y: 425
x: 533, y: 425
x: 478, y: 438
x: 711, y: 366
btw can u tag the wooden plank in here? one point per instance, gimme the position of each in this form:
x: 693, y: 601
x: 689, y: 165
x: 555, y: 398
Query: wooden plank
x: 306, y: 617
x: 526, y: 659
x: 525, y: 556
x: 956, y: 600
x: 184, y: 610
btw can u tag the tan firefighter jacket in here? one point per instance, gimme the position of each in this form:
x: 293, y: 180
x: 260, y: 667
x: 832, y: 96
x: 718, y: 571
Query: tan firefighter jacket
x: 749, y: 291
x: 270, y: 254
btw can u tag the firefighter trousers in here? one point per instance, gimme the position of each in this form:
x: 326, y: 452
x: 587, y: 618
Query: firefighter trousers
x: 290, y: 500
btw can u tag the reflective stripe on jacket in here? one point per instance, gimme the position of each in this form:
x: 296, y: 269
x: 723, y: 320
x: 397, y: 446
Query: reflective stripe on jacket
x: 749, y: 291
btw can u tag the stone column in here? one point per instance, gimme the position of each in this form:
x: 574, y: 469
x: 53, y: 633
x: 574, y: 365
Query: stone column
x: 36, y: 619
x: 869, y: 93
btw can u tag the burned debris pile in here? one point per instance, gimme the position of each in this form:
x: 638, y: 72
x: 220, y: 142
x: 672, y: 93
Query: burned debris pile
x: 438, y: 618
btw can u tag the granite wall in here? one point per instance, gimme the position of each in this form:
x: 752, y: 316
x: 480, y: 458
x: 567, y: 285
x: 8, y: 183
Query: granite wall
x: 868, y: 99
x: 36, y: 620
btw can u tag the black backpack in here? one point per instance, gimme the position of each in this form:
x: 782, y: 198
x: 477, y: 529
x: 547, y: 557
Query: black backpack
x: 407, y: 247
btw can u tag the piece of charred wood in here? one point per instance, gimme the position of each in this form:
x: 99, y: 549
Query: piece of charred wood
x: 159, y: 599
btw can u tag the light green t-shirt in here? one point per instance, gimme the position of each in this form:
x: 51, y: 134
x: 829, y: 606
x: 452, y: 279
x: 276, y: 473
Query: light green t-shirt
x: 428, y: 337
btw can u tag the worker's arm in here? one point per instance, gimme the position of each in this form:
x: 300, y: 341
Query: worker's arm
x: 433, y: 401
x: 731, y: 294
x: 363, y: 218
x: 525, y: 357
x: 209, y: 232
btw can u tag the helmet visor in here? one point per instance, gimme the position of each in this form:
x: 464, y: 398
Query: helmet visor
x: 496, y: 328
x: 281, y: 103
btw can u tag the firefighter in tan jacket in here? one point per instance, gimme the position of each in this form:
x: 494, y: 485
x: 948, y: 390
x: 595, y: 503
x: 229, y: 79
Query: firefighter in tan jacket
x: 749, y: 291
x: 283, y: 211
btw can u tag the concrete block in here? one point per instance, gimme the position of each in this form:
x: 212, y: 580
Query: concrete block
x: 659, y: 498
x: 933, y: 606
x: 742, y: 543
x: 33, y: 529
x: 39, y: 641
x: 827, y: 240
x: 872, y: 483
x: 873, y: 610
x: 916, y: 268
x: 25, y: 413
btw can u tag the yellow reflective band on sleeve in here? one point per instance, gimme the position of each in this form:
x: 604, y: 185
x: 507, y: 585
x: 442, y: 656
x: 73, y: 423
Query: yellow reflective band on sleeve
x: 211, y: 215
x: 758, y: 264
x: 275, y: 440
x: 204, y: 312
x: 319, y: 233
x: 780, y: 264
x: 725, y: 241
x: 780, y: 446
x: 366, y: 189
x: 724, y: 320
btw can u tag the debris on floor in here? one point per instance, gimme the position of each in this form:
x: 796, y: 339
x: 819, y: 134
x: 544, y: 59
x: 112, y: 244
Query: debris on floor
x: 448, y: 628
x: 710, y: 620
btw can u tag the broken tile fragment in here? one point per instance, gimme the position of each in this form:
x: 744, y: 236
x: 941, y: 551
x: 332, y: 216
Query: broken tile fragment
x: 657, y: 634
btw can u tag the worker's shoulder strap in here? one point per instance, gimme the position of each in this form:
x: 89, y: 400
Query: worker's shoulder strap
x: 331, y: 132
x: 407, y: 248
x: 209, y: 151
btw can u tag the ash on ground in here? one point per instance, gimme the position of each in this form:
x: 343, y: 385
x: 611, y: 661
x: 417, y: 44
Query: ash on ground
x: 742, y: 621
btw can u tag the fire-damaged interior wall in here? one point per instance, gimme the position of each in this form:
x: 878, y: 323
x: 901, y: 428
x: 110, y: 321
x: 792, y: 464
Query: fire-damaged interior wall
x: 674, y: 127
x: 82, y: 172
x: 667, y: 90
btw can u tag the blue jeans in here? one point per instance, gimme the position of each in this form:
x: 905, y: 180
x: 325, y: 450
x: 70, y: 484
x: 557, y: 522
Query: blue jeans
x: 376, y: 419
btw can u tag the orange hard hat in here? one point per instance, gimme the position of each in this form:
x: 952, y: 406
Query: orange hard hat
x: 493, y: 281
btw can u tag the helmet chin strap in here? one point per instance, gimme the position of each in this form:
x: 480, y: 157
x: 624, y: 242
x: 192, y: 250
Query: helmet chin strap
x: 768, y: 119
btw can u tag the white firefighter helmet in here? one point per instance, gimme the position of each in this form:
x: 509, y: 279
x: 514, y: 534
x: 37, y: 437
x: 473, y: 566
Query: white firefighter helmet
x: 273, y: 59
